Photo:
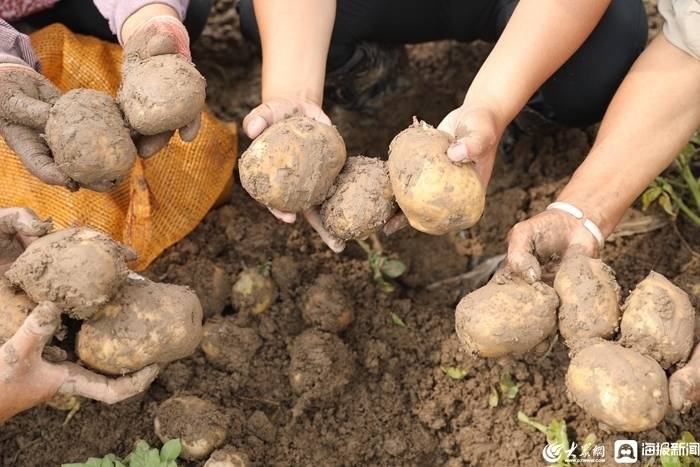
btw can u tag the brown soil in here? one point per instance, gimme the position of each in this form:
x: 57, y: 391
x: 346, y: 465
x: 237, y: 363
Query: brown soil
x: 399, y: 408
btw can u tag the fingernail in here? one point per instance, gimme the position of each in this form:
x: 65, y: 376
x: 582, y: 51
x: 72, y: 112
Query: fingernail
x: 256, y: 126
x: 458, y: 152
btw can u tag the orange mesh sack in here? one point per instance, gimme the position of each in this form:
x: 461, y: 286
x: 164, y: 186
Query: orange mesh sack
x: 164, y: 198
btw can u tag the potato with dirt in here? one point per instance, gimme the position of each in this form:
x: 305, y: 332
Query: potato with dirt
x: 228, y: 346
x: 619, y: 387
x: 228, y: 457
x: 254, y: 292
x: 89, y: 140
x: 200, y: 425
x: 325, y: 305
x: 507, y: 316
x: 145, y: 323
x: 658, y: 321
x: 321, y: 367
x: 436, y: 195
x: 161, y: 93
x: 589, y: 298
x: 78, y: 269
x: 361, y: 201
x: 15, y: 306
x: 291, y: 166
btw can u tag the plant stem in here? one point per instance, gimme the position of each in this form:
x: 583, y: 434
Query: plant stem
x: 363, y: 244
x: 684, y: 207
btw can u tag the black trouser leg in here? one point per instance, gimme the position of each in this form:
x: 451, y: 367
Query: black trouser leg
x: 83, y: 17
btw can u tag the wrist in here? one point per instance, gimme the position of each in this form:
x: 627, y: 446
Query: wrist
x: 143, y: 15
x: 591, y: 210
x: 303, y: 94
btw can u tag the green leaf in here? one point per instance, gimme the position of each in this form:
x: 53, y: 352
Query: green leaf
x: 396, y: 319
x: 493, y: 398
x: 649, y: 196
x: 588, y: 443
x: 393, y: 268
x: 385, y: 286
x: 668, y: 460
x: 687, y: 437
x: 509, y: 388
x: 556, y: 433
x: 695, y: 139
x: 454, y: 372
x: 533, y: 423
x: 666, y: 204
x: 153, y: 458
x: 171, y: 450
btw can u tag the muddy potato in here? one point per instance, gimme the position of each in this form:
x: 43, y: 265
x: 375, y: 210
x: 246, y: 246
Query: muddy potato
x: 200, y: 425
x: 658, y: 321
x: 89, y: 140
x: 618, y: 386
x: 361, y: 201
x: 79, y: 269
x: 146, y: 323
x: 320, y: 368
x: 161, y: 93
x: 15, y: 306
x: 589, y: 298
x: 507, y: 316
x: 436, y: 195
x: 292, y: 164
x: 253, y: 292
x: 228, y: 457
x: 325, y: 305
x: 228, y: 346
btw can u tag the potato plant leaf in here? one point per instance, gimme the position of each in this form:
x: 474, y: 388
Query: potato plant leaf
x: 454, y: 372
x: 555, y: 432
x: 493, y: 398
x: 675, y: 460
x: 171, y: 450
x: 396, y: 319
x: 509, y: 388
x: 650, y: 195
x: 393, y: 268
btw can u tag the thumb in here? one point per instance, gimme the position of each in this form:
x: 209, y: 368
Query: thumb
x: 475, y: 135
x: 521, y: 259
x: 36, y: 330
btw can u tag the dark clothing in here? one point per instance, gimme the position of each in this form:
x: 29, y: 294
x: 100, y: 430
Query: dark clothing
x: 577, y: 94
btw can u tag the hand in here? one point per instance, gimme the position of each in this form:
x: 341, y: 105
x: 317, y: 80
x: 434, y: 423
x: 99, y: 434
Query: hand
x: 548, y: 234
x: 271, y: 112
x: 18, y: 228
x: 25, y: 100
x: 26, y: 379
x: 159, y: 35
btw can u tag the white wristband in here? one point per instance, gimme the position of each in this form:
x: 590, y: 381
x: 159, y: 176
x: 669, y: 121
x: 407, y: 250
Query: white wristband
x: 578, y: 214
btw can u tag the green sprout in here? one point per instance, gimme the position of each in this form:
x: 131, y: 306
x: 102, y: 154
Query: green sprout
x: 142, y: 456
x: 493, y: 398
x: 455, y: 372
x: 396, y: 319
x: 675, y: 460
x: 509, y: 388
x: 383, y: 268
x: 555, y: 432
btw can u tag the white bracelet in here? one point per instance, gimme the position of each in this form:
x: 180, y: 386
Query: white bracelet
x: 578, y: 214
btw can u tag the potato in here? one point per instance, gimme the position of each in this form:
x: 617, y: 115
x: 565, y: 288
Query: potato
x: 228, y: 346
x: 658, y: 321
x: 507, y: 316
x: 228, y: 457
x: 200, y: 425
x: 589, y: 298
x: 619, y: 387
x: 211, y: 283
x: 292, y: 164
x: 15, y: 306
x: 361, y: 201
x: 436, y: 195
x: 321, y: 366
x: 89, y: 140
x: 146, y: 323
x: 78, y: 269
x: 325, y: 305
x: 253, y: 292
x: 161, y: 93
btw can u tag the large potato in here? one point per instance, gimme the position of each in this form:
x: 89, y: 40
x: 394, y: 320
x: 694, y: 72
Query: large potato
x: 292, y: 164
x: 89, y: 140
x: 436, y: 195
x: 619, y: 387
x: 15, y: 306
x: 362, y: 200
x: 146, y: 323
x: 78, y: 269
x: 507, y: 316
x: 589, y: 298
x: 658, y: 321
x: 326, y: 306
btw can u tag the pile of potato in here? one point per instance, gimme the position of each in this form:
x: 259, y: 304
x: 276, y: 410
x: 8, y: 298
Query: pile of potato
x: 620, y: 383
x: 128, y: 322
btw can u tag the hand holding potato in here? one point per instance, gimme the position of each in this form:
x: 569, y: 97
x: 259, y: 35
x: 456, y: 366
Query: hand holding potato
x: 26, y: 379
x: 18, y: 228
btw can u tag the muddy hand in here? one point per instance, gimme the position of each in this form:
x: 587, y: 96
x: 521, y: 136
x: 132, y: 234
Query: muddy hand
x: 158, y: 35
x: 548, y: 234
x: 26, y: 379
x: 274, y: 110
x: 25, y: 100
x: 18, y: 228
x: 476, y: 136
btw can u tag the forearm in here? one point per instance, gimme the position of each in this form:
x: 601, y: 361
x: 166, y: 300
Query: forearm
x: 120, y: 13
x: 539, y: 38
x: 651, y: 117
x: 295, y: 39
x: 15, y: 47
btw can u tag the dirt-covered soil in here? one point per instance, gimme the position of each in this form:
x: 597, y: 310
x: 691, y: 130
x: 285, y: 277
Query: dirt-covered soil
x: 398, y: 408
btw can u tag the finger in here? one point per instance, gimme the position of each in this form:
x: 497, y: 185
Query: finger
x: 315, y: 112
x: 314, y: 219
x: 19, y: 108
x: 83, y: 382
x: 396, y: 223
x: 287, y: 217
x: 266, y: 114
x: 34, y: 154
x: 521, y: 259
x: 36, y: 330
x: 148, y: 146
x: 475, y: 136
x: 22, y: 221
x: 189, y: 132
